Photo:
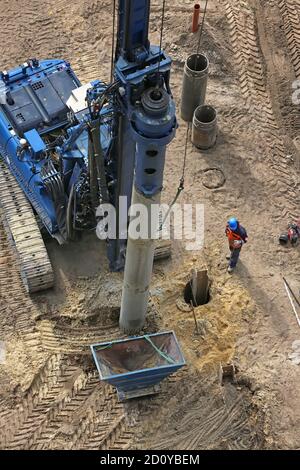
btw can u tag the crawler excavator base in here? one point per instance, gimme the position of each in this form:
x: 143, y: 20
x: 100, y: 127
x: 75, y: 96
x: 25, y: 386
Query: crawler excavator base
x: 24, y: 234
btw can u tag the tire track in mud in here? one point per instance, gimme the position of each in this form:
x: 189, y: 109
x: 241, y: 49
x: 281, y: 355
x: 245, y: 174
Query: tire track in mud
x: 60, y: 391
x: 18, y: 426
x: 104, y: 426
x: 86, y: 26
x: 58, y: 421
x: 37, y: 36
x: 198, y: 422
x: 65, y: 401
x: 69, y: 340
x: 204, y: 428
x: 280, y: 73
x: 290, y: 12
x: 250, y: 67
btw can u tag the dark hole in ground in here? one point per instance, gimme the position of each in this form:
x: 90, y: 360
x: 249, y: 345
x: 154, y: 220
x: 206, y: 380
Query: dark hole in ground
x: 196, y: 290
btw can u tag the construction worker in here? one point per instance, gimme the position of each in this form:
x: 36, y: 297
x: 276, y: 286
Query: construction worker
x: 236, y: 235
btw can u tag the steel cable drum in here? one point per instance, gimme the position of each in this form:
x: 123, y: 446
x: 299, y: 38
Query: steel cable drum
x: 194, y: 85
x: 205, y: 128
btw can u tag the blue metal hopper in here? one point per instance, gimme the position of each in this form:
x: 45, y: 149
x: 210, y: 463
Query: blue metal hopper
x: 135, y: 366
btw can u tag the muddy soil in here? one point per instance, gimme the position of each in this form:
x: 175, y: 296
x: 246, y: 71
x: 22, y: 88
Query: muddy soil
x: 50, y: 394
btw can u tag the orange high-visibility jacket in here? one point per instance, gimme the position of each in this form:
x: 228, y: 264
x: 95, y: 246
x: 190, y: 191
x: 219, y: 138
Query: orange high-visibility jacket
x: 233, y: 236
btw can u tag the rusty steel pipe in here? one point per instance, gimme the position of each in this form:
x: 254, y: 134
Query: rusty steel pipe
x: 196, y: 14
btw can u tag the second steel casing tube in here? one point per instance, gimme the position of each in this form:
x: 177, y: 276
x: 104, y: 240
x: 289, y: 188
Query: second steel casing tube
x: 194, y: 85
x: 205, y: 127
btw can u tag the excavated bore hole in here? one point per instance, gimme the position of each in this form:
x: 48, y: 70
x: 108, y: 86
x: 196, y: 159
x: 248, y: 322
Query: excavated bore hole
x: 197, y: 290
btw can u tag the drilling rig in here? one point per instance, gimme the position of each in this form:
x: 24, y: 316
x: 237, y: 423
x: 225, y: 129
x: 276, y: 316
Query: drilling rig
x: 67, y: 149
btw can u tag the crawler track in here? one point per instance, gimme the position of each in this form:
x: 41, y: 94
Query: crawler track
x: 24, y: 234
x: 15, y: 304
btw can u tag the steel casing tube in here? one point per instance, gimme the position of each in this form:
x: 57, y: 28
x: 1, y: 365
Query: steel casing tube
x: 205, y: 127
x: 194, y: 85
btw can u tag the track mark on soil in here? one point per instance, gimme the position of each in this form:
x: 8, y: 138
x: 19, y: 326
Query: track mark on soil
x: 197, y: 427
x: 290, y: 12
x: 67, y: 339
x: 250, y: 66
x: 65, y: 401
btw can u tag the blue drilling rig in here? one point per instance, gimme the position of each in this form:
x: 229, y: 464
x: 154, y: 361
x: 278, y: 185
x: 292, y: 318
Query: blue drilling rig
x: 68, y: 148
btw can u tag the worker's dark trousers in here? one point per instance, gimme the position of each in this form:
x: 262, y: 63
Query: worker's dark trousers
x: 235, y: 253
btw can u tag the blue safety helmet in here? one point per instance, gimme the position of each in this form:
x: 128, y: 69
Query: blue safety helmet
x: 233, y: 223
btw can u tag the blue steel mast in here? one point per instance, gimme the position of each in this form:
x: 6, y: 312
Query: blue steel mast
x: 146, y: 125
x: 133, y: 26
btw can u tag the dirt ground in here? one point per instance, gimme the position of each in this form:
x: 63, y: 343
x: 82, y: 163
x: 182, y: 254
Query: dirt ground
x: 50, y: 394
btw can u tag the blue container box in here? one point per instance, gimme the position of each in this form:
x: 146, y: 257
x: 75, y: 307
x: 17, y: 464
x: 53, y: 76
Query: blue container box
x: 135, y: 366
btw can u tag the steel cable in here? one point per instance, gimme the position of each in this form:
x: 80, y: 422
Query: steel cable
x: 161, y: 35
x: 113, y: 42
